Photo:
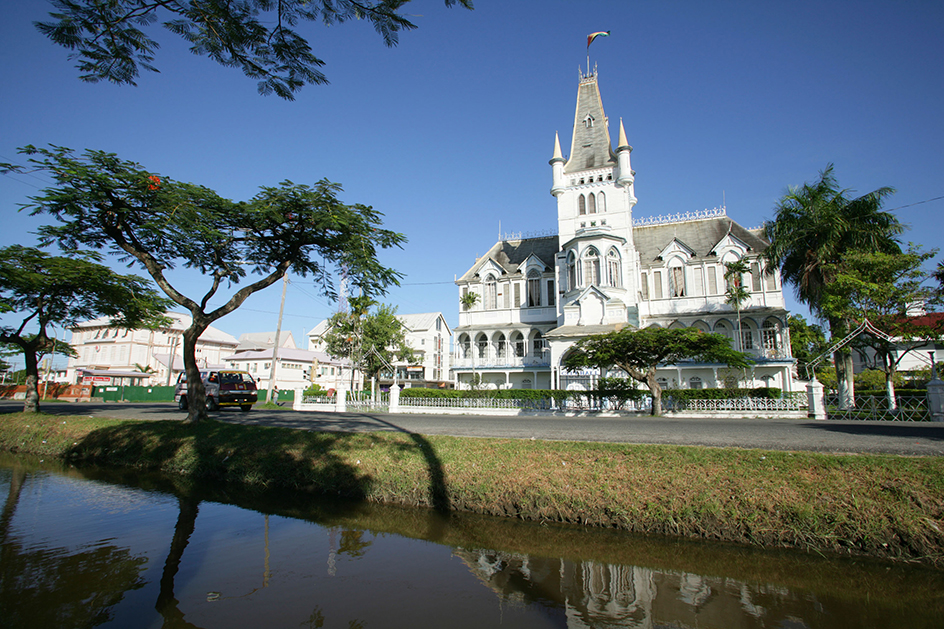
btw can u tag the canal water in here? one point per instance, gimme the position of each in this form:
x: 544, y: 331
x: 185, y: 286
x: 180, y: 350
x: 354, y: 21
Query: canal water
x: 84, y: 548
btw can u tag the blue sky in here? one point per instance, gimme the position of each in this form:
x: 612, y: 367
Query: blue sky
x: 449, y: 134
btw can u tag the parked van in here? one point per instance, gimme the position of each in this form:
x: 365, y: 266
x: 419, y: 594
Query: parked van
x: 223, y: 388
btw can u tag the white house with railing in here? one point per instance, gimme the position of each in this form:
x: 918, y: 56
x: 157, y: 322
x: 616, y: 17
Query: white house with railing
x: 529, y: 299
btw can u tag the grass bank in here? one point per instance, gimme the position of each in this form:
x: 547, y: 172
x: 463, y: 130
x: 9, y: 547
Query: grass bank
x: 882, y: 506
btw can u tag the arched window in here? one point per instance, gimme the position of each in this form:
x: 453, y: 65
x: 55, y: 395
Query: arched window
x: 591, y: 204
x: 581, y: 205
x: 482, y: 346
x: 613, y: 275
x: 534, y: 288
x: 519, y: 345
x: 538, y: 344
x: 591, y: 267
x: 571, y: 271
x: 491, y: 293
x: 694, y: 382
x: 465, y: 345
x: 723, y: 328
x: 601, y: 203
x: 500, y: 346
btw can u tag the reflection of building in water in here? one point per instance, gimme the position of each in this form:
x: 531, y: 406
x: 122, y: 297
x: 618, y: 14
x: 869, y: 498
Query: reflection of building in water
x: 593, y: 594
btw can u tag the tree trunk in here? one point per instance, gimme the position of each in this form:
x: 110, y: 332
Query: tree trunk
x: 31, y: 404
x: 845, y: 379
x: 889, y: 368
x: 196, y: 392
x: 656, y: 392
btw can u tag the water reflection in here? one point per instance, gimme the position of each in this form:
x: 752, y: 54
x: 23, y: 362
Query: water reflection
x: 95, y: 548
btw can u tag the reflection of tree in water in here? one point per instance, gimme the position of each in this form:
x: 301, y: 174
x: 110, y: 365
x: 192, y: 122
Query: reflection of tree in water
x: 317, y: 619
x: 167, y: 605
x: 59, y: 587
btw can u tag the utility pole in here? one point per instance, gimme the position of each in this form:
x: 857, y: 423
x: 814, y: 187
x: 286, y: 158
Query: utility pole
x: 275, y: 347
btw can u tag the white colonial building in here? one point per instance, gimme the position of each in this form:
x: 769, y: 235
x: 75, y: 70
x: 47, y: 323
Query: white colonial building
x: 605, y: 270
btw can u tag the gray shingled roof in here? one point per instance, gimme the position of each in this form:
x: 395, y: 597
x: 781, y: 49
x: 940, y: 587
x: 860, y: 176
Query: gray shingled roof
x: 509, y: 254
x: 590, y: 145
x: 699, y: 236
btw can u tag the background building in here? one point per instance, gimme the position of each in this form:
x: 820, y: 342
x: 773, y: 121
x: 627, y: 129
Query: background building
x: 103, y: 349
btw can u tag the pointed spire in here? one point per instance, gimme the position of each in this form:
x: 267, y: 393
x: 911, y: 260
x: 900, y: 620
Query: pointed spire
x: 622, y: 137
x: 557, y: 149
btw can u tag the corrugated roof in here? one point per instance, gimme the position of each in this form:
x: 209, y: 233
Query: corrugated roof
x: 509, y: 254
x: 179, y: 322
x: 700, y: 236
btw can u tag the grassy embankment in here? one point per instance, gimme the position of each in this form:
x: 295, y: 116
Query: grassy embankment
x: 883, y: 506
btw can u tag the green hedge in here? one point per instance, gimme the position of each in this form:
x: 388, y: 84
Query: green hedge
x: 771, y: 393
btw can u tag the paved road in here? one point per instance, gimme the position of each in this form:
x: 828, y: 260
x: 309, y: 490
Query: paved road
x: 788, y: 434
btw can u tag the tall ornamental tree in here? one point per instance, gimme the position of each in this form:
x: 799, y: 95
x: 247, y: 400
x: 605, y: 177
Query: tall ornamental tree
x: 44, y: 291
x: 736, y: 294
x: 104, y: 202
x: 256, y: 36
x: 813, y: 227
x: 891, y: 291
x: 640, y: 352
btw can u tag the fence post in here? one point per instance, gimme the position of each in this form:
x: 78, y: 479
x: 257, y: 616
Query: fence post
x: 395, y: 398
x: 936, y: 398
x: 299, y: 398
x: 816, y: 399
x: 340, y: 400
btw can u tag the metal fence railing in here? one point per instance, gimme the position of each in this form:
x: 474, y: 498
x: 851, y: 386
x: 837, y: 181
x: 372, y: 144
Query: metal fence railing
x: 875, y: 408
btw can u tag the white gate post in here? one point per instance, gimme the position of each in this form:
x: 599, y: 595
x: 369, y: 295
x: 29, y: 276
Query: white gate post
x: 395, y: 398
x: 935, y: 394
x: 816, y: 399
x: 340, y: 401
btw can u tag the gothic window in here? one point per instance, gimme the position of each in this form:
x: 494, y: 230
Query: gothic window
x: 571, y: 271
x: 518, y: 344
x: 769, y: 335
x: 755, y: 277
x: 601, y: 203
x: 482, y: 346
x: 613, y: 269
x: 591, y: 204
x: 644, y: 287
x: 500, y: 346
x: 491, y: 293
x: 676, y: 281
x: 771, y: 281
x: 550, y: 292
x: 591, y: 267
x: 699, y: 281
x: 588, y: 121
x: 534, y: 289
x: 657, y: 284
x: 747, y: 338
x: 581, y: 205
x: 538, y: 341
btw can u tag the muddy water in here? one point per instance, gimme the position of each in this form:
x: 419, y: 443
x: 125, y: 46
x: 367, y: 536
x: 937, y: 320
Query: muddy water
x: 88, y: 548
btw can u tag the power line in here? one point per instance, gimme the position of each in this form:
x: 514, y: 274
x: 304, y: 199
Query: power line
x: 901, y: 207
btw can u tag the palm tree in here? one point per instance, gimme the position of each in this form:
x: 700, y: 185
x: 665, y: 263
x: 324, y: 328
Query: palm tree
x: 735, y: 292
x: 814, y: 226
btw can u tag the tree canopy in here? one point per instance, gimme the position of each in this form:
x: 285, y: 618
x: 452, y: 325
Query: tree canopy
x: 370, y: 340
x: 257, y: 36
x: 813, y: 227
x: 640, y: 352
x: 44, y: 290
x: 891, y: 290
x: 104, y: 202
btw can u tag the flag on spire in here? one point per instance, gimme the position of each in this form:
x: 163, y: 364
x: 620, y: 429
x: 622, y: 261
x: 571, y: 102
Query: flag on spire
x: 593, y: 36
